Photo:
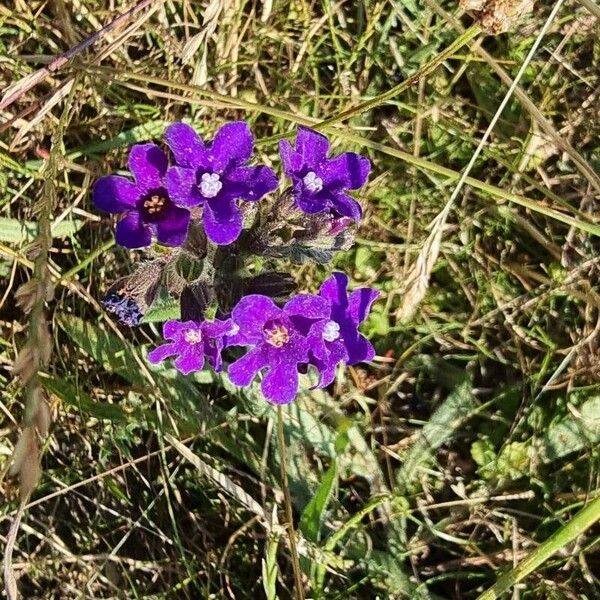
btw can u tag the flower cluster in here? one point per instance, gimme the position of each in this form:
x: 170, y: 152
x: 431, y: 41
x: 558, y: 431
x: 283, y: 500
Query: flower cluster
x: 202, y: 199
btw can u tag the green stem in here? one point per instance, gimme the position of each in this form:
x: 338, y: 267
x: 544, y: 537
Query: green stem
x: 584, y: 519
x: 288, y: 507
x: 92, y: 256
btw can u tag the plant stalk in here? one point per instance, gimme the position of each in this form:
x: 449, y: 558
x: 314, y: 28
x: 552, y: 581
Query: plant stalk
x: 299, y: 592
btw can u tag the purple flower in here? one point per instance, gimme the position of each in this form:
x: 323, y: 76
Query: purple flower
x: 216, y: 176
x: 320, y: 183
x: 147, y: 206
x: 192, y: 343
x: 277, y: 341
x: 337, y: 338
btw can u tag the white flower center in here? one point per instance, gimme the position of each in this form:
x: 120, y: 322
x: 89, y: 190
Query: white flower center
x: 331, y: 331
x: 235, y: 328
x: 210, y: 185
x: 312, y: 182
x: 192, y: 336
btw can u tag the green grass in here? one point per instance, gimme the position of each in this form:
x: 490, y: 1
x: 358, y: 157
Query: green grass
x: 462, y: 463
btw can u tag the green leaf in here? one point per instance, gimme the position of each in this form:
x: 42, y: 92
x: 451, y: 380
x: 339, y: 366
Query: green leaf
x: 79, y: 400
x: 139, y: 133
x: 574, y: 432
x: 162, y: 311
x: 104, y: 347
x: 312, y: 517
x: 513, y: 461
x: 270, y: 568
x: 439, y: 429
x: 15, y: 231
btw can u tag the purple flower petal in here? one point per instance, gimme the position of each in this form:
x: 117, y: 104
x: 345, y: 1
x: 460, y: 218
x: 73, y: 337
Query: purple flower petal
x: 190, y: 360
x: 359, y: 303
x: 309, y: 306
x: 243, y: 371
x: 148, y: 163
x: 115, y: 194
x: 347, y: 206
x: 217, y: 328
x: 290, y: 159
x: 312, y: 146
x: 187, y: 146
x: 182, y: 186
x: 232, y: 146
x: 171, y: 230
x: 321, y: 345
x: 310, y: 203
x: 172, y: 329
x: 222, y: 220
x: 334, y: 289
x: 327, y: 367
x: 253, y: 182
x: 348, y: 171
x: 250, y: 315
x: 280, y: 384
x: 161, y: 353
x: 360, y: 350
x: 131, y: 232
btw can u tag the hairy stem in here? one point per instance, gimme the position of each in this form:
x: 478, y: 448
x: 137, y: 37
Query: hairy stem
x: 288, y: 507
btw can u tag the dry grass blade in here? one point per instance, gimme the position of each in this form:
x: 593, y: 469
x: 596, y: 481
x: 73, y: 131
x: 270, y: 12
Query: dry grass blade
x: 23, y: 86
x: 10, y: 584
x: 417, y: 280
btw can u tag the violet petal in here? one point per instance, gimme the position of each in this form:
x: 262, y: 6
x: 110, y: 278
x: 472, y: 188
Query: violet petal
x: 191, y: 359
x: 115, y: 194
x: 290, y: 159
x: 186, y: 145
x: 346, y: 206
x: 253, y: 182
x: 243, y: 371
x: 312, y: 146
x: 334, y: 289
x: 348, y: 171
x: 222, y: 220
x: 360, y: 350
x: 359, y: 303
x: 162, y: 352
x: 232, y: 146
x: 309, y: 306
x: 182, y: 187
x: 280, y: 384
x: 148, y: 163
x: 250, y: 315
x: 171, y: 230
x: 131, y: 232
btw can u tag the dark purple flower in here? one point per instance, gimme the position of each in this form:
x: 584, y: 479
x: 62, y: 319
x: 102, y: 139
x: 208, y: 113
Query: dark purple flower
x: 277, y: 341
x: 320, y: 183
x: 124, y: 308
x: 337, y: 339
x: 147, y: 206
x: 192, y: 343
x: 216, y: 176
